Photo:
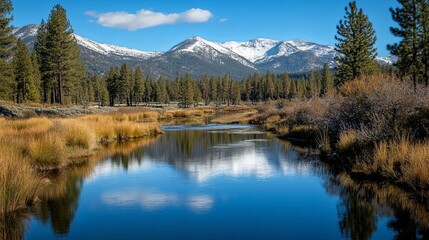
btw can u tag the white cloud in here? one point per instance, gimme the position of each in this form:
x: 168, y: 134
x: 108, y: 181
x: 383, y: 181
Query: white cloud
x: 222, y: 20
x: 146, y: 18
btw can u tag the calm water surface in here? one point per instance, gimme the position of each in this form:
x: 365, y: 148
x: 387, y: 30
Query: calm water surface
x: 216, y: 182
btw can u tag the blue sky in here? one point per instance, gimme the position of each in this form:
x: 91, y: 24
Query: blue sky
x: 125, y: 22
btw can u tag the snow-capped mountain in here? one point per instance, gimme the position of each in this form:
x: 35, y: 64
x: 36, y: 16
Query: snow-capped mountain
x: 108, y: 49
x: 27, y: 34
x: 198, y: 56
x: 202, y: 47
x: 252, y: 50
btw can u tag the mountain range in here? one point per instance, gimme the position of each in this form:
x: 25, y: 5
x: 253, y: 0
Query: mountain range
x: 198, y: 56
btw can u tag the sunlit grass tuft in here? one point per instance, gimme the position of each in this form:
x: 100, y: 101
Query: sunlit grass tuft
x: 18, y: 183
x: 347, y: 140
x: 79, y: 135
x: 47, y: 151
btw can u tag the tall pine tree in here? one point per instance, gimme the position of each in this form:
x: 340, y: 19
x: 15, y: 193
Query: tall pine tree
x: 356, y: 39
x: 36, y: 75
x: 7, y: 83
x: 62, y: 58
x: 26, y: 89
x: 327, y: 83
x: 412, y: 50
x: 424, y: 35
x: 138, y: 90
x: 42, y: 60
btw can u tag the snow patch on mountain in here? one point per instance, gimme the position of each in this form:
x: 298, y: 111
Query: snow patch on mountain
x: 390, y: 60
x: 26, y: 31
x: 108, y: 49
x: 251, y: 50
x: 262, y: 50
x: 208, y: 49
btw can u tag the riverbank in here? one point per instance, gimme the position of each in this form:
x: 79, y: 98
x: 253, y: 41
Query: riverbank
x: 373, y: 128
x: 33, y: 147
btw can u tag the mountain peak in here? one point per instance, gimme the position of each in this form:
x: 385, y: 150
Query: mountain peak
x: 197, y: 38
x: 199, y: 56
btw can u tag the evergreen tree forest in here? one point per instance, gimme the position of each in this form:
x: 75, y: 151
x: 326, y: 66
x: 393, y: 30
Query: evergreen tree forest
x: 129, y: 87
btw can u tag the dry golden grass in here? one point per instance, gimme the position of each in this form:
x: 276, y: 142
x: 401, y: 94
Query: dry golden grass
x: 282, y: 130
x: 186, y: 113
x: 346, y: 140
x: 46, y: 144
x: 47, y: 151
x: 401, y: 161
x: 272, y: 119
x: 18, y: 183
x: 416, y: 170
x: 52, y: 143
x: 79, y: 135
x: 242, y: 118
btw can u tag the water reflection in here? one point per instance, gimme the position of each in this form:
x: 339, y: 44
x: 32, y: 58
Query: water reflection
x: 148, y: 199
x: 186, y: 171
x: 363, y: 203
x: 13, y: 226
x: 59, y: 203
x: 153, y: 199
x: 207, y: 154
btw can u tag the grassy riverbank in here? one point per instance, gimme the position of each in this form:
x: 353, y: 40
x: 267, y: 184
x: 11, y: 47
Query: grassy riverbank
x: 30, y: 147
x: 375, y: 127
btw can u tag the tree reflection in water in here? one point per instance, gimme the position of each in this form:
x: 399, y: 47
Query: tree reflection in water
x: 13, y: 225
x: 362, y: 203
x: 59, y: 199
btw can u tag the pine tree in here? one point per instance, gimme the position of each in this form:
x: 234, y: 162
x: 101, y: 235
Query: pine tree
x: 197, y: 94
x: 7, y: 83
x: 312, y: 85
x: 42, y: 60
x: 293, y: 90
x: 6, y: 36
x: 186, y: 91
x: 327, y: 83
x: 138, y: 90
x: 83, y: 94
x: 103, y: 93
x: 213, y: 90
x: 37, y: 75
x: 286, y: 84
x: 424, y: 35
x: 63, y: 64
x: 235, y: 93
x: 407, y: 50
x: 24, y: 75
x: 161, y: 91
x: 26, y: 89
x: 148, y: 94
x: 270, y: 86
x: 356, y: 39
x: 124, y: 84
x: 205, y: 86
x: 112, y: 80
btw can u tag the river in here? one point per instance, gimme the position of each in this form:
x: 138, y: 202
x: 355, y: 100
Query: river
x: 216, y: 182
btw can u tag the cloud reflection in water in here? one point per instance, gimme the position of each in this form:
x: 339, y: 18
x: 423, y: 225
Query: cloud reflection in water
x: 154, y: 200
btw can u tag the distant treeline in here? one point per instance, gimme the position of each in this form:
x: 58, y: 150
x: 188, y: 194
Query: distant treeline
x: 124, y: 85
